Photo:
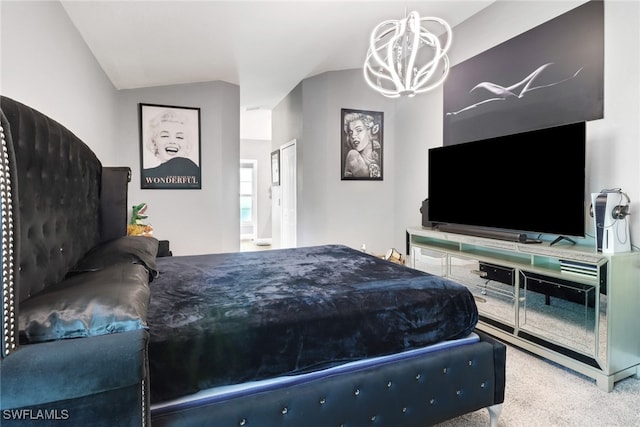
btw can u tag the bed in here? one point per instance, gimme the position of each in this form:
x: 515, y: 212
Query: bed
x: 318, y: 336
x: 315, y: 336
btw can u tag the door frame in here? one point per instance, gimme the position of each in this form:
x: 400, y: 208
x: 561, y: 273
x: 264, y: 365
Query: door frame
x: 279, y: 199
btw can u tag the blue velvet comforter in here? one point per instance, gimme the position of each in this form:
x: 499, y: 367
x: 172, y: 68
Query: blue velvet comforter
x: 229, y: 318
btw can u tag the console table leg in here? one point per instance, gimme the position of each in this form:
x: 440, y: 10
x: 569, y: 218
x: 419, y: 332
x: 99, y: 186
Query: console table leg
x: 605, y: 383
x: 494, y: 414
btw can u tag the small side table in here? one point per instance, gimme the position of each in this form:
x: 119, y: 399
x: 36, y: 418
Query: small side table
x: 163, y: 249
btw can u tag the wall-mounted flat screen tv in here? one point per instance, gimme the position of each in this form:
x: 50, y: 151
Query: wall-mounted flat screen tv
x: 531, y: 182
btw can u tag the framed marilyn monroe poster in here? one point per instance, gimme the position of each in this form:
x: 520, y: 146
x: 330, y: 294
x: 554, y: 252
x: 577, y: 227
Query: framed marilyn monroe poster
x: 361, y: 145
x: 169, y: 147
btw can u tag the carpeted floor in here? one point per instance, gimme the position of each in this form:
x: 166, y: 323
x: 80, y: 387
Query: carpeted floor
x: 542, y: 393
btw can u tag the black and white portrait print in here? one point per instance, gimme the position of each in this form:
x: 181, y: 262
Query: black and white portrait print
x: 169, y: 147
x: 361, y: 145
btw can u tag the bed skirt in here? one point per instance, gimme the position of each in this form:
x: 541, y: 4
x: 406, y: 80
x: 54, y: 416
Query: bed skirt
x: 416, y: 391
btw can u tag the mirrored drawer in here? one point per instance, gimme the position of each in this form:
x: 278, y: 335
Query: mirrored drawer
x: 563, y: 312
x: 428, y: 260
x: 492, y: 286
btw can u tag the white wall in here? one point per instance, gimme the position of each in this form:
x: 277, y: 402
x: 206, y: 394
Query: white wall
x: 194, y: 221
x: 46, y: 65
x: 418, y: 128
x: 331, y: 210
x: 336, y: 211
x: 255, y: 124
x: 613, y: 143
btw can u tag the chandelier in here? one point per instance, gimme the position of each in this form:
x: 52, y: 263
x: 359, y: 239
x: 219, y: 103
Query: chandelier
x: 404, y: 58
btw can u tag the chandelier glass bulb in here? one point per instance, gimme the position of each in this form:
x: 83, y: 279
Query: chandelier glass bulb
x: 404, y: 58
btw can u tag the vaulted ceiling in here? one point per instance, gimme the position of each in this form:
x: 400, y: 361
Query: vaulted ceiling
x: 265, y: 47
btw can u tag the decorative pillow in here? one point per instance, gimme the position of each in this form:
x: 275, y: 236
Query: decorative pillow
x: 126, y: 249
x: 114, y: 299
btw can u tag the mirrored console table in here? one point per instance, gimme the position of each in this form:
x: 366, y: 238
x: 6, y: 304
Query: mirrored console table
x: 569, y: 304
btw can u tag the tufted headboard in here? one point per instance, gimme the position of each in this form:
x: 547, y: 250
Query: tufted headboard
x: 51, y: 205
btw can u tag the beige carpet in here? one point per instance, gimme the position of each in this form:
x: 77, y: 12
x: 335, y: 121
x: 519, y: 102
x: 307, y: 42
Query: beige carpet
x: 542, y: 393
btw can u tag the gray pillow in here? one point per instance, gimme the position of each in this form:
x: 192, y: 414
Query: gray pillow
x: 126, y: 249
x: 114, y: 299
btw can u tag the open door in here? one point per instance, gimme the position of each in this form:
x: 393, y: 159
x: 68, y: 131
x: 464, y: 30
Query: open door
x: 288, y: 195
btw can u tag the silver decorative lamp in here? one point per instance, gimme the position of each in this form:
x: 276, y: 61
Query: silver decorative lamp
x: 404, y: 58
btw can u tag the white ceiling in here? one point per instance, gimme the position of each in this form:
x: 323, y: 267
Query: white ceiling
x: 265, y: 47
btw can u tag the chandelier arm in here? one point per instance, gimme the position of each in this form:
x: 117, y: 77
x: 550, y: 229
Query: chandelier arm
x: 414, y: 30
x: 381, y: 62
x: 431, y: 86
x: 373, y: 43
x: 379, y: 75
x: 437, y: 82
x: 369, y: 69
x: 426, y: 72
x: 386, y: 92
x: 394, y: 69
x: 424, y: 81
x: 447, y: 28
x: 439, y: 55
x: 391, y: 64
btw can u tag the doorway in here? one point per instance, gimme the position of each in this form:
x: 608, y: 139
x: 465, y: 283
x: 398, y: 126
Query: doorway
x: 288, y: 195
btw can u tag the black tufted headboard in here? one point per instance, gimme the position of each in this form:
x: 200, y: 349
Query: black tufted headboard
x: 8, y: 215
x: 57, y: 191
x: 58, y: 202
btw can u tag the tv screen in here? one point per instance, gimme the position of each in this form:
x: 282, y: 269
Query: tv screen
x: 531, y: 182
